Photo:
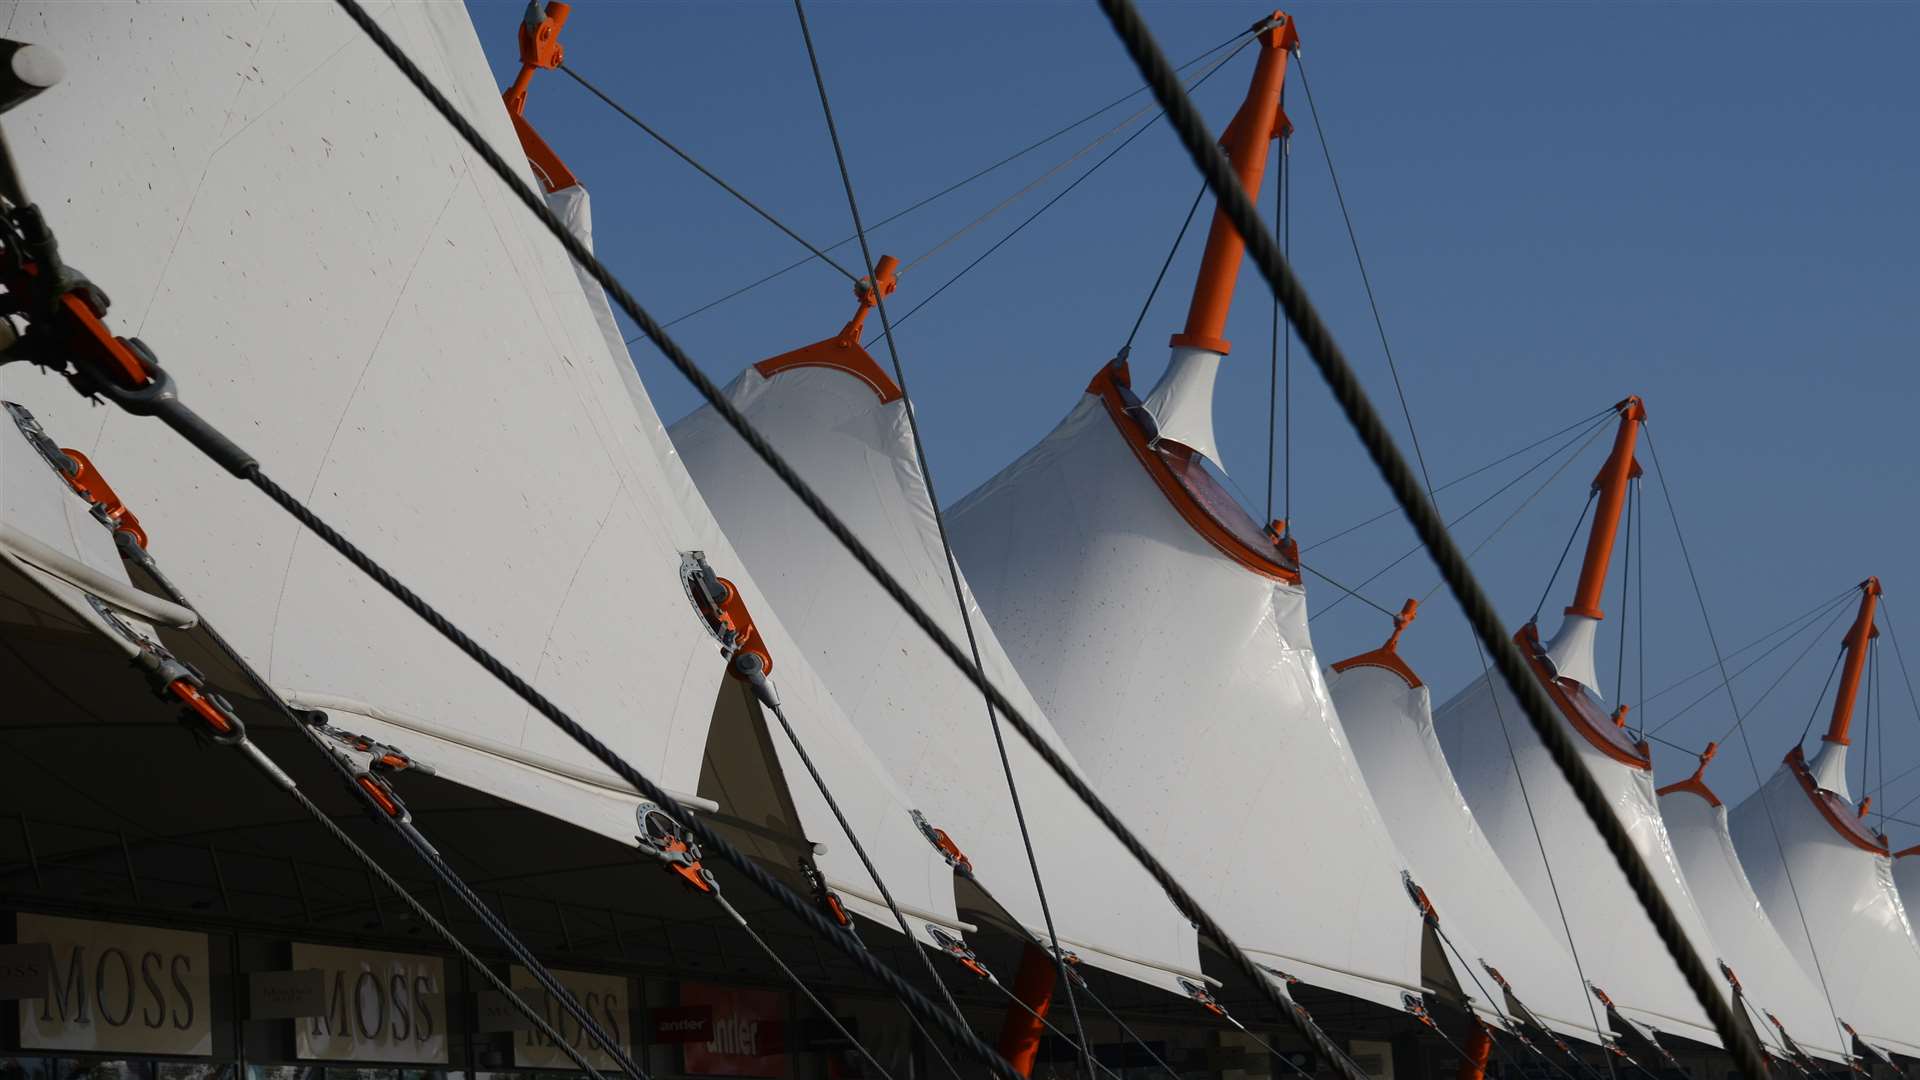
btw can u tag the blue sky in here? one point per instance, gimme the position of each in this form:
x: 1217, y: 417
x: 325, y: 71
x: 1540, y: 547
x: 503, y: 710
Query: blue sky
x: 1710, y: 205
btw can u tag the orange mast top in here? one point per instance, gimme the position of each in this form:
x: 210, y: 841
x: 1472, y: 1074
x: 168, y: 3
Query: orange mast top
x: 1258, y: 122
x: 1612, y: 486
x: 539, y: 48
x: 1862, y: 632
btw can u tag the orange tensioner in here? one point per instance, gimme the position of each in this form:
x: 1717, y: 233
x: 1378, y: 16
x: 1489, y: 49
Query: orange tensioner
x: 539, y: 48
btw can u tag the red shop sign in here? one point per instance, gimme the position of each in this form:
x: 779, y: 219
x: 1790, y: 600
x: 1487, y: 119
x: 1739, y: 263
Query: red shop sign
x: 745, y: 1031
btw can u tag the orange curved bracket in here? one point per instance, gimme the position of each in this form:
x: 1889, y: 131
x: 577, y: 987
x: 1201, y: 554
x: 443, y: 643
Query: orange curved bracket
x: 843, y: 352
x: 94, y: 488
x: 1387, y: 656
x: 1834, y: 808
x: 539, y: 48
x: 1695, y: 784
x: 1605, y: 736
x: 1199, y: 498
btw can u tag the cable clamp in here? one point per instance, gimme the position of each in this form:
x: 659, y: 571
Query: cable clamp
x: 1203, y: 996
x: 1419, y: 897
x: 944, y: 845
x: 381, y: 757
x: 825, y: 897
x: 1416, y: 1006
x: 667, y: 841
x: 960, y: 951
x: 1070, y: 963
x: 724, y: 614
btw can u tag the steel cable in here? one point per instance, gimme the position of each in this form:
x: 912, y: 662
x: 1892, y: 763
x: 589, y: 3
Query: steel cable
x: 831, y: 521
x: 414, y: 839
x: 940, y: 524
x: 1318, y: 340
x: 708, y: 173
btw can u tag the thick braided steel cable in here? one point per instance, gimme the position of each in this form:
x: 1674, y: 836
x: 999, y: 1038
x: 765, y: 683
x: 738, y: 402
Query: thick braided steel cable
x: 1591, y: 434
x: 710, y: 839
x: 408, y: 832
x: 1739, y: 724
x: 441, y: 930
x: 1318, y: 340
x: 1464, y: 477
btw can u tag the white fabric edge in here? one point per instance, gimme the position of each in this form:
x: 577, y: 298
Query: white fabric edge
x: 452, y: 746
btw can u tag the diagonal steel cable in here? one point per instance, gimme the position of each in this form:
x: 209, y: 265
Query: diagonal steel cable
x: 1326, y: 354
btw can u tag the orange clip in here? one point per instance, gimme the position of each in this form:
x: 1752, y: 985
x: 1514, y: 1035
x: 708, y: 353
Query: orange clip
x: 94, y: 488
x: 202, y: 707
x: 381, y: 795
x: 688, y: 868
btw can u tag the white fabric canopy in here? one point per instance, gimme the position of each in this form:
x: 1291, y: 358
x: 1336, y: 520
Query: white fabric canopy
x: 1773, y: 980
x: 1185, y: 681
x: 1514, y: 787
x: 1390, y: 725
x: 1823, y: 879
x: 337, y: 282
x: 1906, y: 877
x: 927, y: 723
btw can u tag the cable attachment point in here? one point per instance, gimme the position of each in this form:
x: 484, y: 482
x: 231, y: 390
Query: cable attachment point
x: 1070, y: 964
x: 1203, y: 997
x: 1419, y: 897
x: 824, y: 896
x: 381, y: 757
x: 944, y: 845
x: 960, y: 951
x: 667, y: 841
x: 1416, y: 1006
x: 724, y: 613
x: 539, y: 48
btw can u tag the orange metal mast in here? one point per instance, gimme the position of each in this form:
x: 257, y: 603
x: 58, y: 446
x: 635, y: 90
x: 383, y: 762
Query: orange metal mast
x: 1612, y: 486
x: 539, y: 48
x: 1862, y: 632
x: 1258, y: 122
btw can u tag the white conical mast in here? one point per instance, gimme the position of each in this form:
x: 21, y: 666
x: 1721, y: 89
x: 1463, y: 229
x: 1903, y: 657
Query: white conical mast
x: 1181, y: 404
x: 1571, y: 651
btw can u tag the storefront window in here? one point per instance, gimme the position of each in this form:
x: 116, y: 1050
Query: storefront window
x: 59, y: 1068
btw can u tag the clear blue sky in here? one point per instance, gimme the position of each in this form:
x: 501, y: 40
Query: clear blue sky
x: 1710, y: 205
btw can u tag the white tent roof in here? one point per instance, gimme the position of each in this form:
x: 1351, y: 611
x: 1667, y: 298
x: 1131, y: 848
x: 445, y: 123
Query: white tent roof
x: 1829, y: 877
x: 1773, y: 980
x: 1390, y: 725
x: 1174, y: 659
x: 1906, y: 878
x: 333, y: 280
x: 927, y: 722
x: 1491, y: 746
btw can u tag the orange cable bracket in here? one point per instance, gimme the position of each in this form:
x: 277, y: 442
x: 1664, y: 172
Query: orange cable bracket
x: 843, y: 352
x: 665, y: 840
x: 1387, y: 656
x: 1697, y: 783
x: 944, y: 844
x: 539, y: 48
